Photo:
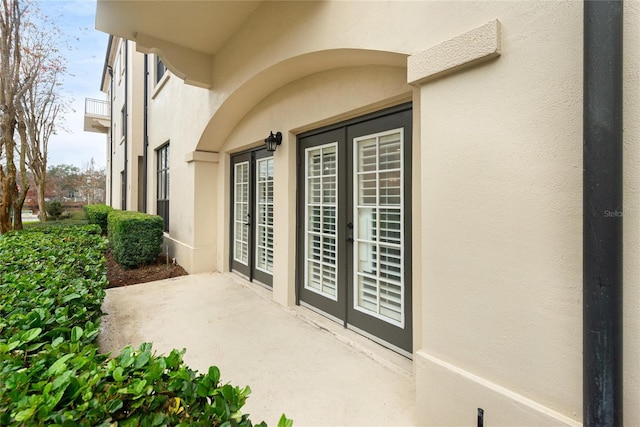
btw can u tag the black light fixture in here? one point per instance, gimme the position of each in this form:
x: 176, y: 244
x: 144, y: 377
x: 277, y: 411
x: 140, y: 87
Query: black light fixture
x: 272, y: 141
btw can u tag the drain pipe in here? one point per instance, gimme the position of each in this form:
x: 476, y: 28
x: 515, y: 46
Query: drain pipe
x: 111, y: 100
x: 125, y: 124
x: 145, y: 134
x: 602, y: 215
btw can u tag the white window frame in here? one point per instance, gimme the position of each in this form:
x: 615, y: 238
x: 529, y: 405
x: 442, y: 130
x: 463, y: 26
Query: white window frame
x: 401, y: 246
x: 306, y: 221
x: 257, y: 208
x: 235, y: 219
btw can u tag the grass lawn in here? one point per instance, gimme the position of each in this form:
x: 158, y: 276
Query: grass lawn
x: 69, y: 218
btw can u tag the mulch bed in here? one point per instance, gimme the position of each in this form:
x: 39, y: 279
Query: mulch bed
x: 120, y: 276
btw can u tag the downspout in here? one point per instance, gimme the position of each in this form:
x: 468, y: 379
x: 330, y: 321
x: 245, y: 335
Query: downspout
x: 111, y: 100
x: 145, y: 136
x: 602, y: 214
x: 125, y: 124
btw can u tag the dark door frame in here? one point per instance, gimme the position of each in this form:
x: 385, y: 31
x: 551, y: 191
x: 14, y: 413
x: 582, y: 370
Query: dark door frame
x: 343, y: 133
x: 250, y: 271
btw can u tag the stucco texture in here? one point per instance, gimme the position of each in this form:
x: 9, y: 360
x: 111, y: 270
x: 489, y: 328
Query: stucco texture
x: 497, y: 202
x: 501, y: 217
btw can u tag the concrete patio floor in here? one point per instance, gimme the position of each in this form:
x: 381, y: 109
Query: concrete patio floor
x: 295, y: 361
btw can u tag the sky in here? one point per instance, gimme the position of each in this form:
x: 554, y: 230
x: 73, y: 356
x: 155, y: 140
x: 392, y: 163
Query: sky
x: 76, y: 18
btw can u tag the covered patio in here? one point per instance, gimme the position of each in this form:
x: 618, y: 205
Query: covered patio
x: 295, y: 361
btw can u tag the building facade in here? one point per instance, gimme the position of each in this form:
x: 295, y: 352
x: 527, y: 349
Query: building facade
x: 426, y: 190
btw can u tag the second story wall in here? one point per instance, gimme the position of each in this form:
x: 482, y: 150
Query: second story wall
x: 177, y: 114
x: 124, y: 85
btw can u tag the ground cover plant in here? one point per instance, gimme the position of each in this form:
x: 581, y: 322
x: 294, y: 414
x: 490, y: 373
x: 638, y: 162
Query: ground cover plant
x: 163, y: 268
x: 52, y: 284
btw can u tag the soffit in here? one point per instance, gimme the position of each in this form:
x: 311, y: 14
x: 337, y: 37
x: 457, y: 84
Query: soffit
x: 200, y: 26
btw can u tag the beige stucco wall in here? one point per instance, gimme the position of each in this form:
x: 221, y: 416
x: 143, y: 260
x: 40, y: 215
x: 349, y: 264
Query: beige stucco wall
x: 177, y: 115
x: 497, y: 183
x: 501, y: 194
x: 116, y: 159
x: 135, y: 122
x: 129, y: 83
x: 305, y: 104
x: 502, y: 228
x: 319, y: 36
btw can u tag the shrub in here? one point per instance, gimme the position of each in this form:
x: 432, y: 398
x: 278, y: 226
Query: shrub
x: 54, y: 209
x: 98, y: 214
x: 52, y: 373
x: 135, y: 238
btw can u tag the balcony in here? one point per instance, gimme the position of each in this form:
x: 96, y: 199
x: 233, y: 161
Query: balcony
x: 185, y: 37
x: 97, y: 117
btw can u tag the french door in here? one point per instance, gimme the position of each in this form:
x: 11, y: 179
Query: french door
x: 354, y: 213
x: 251, y: 243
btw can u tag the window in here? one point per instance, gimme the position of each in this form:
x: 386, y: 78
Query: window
x: 120, y: 56
x: 163, y: 184
x: 161, y: 69
x: 123, y: 113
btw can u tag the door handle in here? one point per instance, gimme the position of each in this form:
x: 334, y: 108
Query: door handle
x: 350, y: 239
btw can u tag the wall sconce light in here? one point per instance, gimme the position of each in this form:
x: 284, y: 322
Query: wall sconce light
x: 272, y: 141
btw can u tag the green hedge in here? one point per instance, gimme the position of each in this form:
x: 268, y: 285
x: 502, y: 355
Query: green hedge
x: 52, y: 373
x: 98, y: 214
x: 135, y: 238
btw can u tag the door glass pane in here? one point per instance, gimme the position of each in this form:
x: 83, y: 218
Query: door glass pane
x: 367, y: 188
x: 378, y: 209
x: 390, y: 226
x: 368, y: 258
x: 367, y: 161
x: 389, y: 149
x: 389, y: 188
x: 367, y: 224
x: 367, y: 293
x: 321, y: 220
x: 241, y: 212
x: 264, y: 211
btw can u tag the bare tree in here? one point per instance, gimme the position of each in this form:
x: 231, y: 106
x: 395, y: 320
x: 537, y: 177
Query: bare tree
x: 16, y: 78
x: 30, y: 103
x: 42, y: 104
x: 11, y: 89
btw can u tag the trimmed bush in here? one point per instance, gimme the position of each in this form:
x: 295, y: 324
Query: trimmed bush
x: 98, y: 214
x: 52, y: 374
x: 54, y: 209
x: 135, y: 238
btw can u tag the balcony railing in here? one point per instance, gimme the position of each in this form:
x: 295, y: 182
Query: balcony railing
x: 97, y: 116
x: 96, y: 107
